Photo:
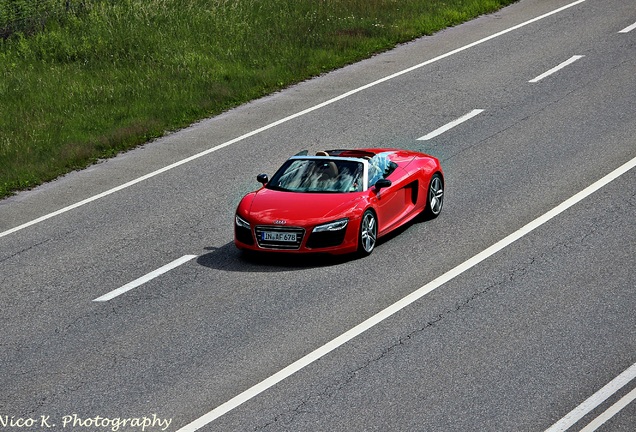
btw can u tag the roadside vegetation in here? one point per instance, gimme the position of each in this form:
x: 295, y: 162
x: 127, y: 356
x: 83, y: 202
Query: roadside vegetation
x: 82, y: 80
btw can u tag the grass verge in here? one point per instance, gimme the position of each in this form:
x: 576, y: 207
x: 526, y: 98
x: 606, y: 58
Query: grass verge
x: 88, y: 82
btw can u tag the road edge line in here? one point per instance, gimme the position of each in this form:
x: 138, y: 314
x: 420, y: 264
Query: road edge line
x: 283, y: 120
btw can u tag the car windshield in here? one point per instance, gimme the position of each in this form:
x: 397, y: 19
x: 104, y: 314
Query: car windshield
x: 318, y: 175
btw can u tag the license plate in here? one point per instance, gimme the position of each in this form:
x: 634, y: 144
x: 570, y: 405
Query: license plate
x: 279, y: 236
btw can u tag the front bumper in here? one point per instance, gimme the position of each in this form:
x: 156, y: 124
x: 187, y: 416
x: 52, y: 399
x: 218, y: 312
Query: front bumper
x: 299, y: 239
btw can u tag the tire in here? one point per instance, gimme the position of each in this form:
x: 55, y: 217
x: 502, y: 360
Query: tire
x: 434, y: 197
x: 368, y: 235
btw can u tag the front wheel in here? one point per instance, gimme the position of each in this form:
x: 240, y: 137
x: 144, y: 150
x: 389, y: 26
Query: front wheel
x: 368, y: 233
x: 435, y: 197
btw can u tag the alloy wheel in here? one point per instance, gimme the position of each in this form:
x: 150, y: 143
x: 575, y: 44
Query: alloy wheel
x: 368, y: 232
x: 435, y: 195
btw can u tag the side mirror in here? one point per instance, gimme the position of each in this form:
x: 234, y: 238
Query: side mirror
x: 382, y: 183
x: 262, y: 178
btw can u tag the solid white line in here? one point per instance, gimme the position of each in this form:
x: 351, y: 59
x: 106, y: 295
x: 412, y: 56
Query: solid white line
x: 286, y: 119
x: 628, y: 29
x: 142, y: 280
x: 556, y: 68
x: 593, y: 401
x: 610, y: 412
x: 451, y: 125
x: 401, y: 304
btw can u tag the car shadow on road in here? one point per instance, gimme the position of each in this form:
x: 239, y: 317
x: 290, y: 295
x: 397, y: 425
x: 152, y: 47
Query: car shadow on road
x: 229, y: 258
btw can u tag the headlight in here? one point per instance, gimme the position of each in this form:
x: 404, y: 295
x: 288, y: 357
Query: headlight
x: 242, y: 222
x: 332, y: 226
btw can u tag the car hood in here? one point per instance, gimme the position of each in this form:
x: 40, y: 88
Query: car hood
x: 300, y: 208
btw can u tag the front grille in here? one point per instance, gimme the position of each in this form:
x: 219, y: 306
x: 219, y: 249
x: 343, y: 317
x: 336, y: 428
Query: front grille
x: 278, y: 244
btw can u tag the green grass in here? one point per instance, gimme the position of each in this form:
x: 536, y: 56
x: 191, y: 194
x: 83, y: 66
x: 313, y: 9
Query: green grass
x: 82, y: 83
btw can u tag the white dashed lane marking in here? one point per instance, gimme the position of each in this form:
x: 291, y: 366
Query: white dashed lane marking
x: 556, y: 68
x: 451, y: 125
x: 142, y: 280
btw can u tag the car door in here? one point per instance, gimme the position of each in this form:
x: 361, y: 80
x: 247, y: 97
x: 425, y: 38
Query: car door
x: 394, y: 202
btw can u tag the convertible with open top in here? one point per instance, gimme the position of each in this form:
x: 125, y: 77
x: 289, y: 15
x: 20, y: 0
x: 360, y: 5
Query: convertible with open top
x: 338, y: 201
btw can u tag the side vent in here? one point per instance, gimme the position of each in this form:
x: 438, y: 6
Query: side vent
x: 415, y: 190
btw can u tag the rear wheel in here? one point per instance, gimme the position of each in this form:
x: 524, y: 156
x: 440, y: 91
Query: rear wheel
x: 368, y: 233
x: 435, y: 197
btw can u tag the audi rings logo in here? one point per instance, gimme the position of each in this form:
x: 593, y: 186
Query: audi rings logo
x: 280, y: 222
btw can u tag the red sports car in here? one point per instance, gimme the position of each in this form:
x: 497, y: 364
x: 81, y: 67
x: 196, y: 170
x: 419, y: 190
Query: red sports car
x: 338, y: 201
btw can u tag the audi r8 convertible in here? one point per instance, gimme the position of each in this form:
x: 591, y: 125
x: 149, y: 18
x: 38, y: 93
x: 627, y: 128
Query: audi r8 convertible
x: 338, y: 201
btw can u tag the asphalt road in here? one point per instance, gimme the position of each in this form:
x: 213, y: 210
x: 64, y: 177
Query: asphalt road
x: 514, y: 342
